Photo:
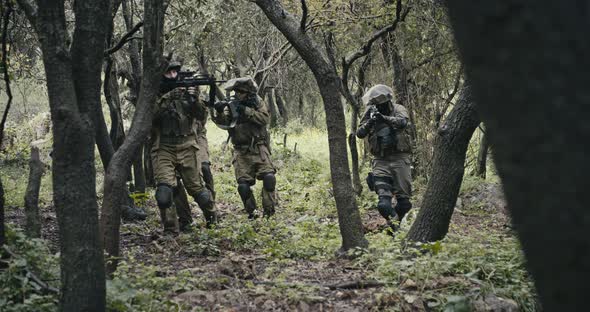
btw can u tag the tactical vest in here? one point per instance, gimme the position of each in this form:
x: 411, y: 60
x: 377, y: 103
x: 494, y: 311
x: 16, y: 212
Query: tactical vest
x: 248, y: 135
x: 174, y: 115
x: 385, y: 140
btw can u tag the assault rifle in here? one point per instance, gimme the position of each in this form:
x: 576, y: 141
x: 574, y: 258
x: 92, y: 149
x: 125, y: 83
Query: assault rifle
x: 232, y: 108
x: 186, y: 79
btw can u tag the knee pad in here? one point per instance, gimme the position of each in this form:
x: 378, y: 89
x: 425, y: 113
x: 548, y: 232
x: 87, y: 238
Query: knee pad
x: 164, y: 196
x: 269, y: 181
x: 384, y: 207
x: 244, y: 191
x: 403, y: 206
x: 203, y: 198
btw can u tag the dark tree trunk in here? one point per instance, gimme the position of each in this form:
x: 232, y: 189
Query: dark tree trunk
x: 527, y: 63
x: 300, y: 108
x: 282, y: 108
x: 138, y: 173
x: 482, y: 156
x: 114, y: 191
x: 450, y: 148
x: 272, y: 108
x: 148, y: 170
x: 329, y: 84
x: 2, y: 218
x: 36, y: 169
x: 73, y: 85
x: 354, y: 154
x: 111, y: 93
x: 5, y: 12
x: 133, y: 52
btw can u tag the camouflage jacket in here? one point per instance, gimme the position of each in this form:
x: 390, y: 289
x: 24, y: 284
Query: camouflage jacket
x: 391, y: 135
x: 250, y: 129
x: 176, y: 114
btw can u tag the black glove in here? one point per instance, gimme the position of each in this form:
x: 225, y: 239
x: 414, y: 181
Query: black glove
x: 378, y: 116
x: 240, y: 109
x: 219, y: 106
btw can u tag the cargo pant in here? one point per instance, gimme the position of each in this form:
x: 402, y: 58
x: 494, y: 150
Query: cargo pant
x: 168, y: 158
x: 393, y: 175
x: 251, y: 164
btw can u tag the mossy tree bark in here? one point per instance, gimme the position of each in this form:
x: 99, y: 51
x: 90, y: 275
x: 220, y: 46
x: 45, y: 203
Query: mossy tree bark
x: 450, y: 148
x: 73, y: 74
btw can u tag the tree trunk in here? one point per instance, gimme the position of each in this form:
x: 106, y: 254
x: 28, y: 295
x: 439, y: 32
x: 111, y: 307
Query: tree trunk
x: 528, y: 69
x: 133, y: 52
x: 354, y: 154
x: 482, y: 156
x: 73, y: 86
x: 2, y: 218
x: 114, y: 190
x: 33, y: 223
x: 272, y: 108
x: 282, y: 108
x: 111, y: 94
x: 138, y: 173
x: 450, y: 148
x: 329, y: 84
x: 148, y: 170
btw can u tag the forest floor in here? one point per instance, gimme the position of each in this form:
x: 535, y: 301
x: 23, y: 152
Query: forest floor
x: 289, y: 262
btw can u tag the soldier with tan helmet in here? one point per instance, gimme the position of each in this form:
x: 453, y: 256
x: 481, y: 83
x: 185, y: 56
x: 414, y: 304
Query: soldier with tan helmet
x: 175, y: 147
x: 386, y: 125
x: 246, y: 117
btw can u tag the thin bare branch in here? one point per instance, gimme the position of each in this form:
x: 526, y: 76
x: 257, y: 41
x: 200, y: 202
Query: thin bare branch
x: 126, y: 38
x: 364, y: 50
x: 286, y: 47
x: 303, y: 15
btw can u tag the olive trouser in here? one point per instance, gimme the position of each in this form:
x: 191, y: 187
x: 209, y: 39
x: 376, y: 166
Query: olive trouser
x: 251, y: 164
x: 169, y: 158
x: 395, y: 169
x: 180, y: 200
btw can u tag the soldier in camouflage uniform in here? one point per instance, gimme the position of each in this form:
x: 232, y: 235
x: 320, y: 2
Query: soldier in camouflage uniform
x: 386, y: 125
x: 250, y: 140
x: 175, y: 147
x: 185, y: 219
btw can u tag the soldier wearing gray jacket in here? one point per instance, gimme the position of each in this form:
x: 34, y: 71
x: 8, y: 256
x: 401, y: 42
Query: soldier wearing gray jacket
x: 386, y: 127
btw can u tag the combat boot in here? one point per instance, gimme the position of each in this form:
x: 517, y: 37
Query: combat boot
x: 268, y: 203
x: 169, y: 221
x: 133, y: 213
x: 250, y: 206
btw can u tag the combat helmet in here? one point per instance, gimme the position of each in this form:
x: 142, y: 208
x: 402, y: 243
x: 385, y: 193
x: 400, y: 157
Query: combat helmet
x: 378, y: 94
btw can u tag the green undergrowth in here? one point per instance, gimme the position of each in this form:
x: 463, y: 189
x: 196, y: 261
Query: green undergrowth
x: 450, y: 275
x: 25, y: 263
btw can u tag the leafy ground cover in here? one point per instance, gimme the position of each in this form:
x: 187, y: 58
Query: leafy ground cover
x: 287, y: 262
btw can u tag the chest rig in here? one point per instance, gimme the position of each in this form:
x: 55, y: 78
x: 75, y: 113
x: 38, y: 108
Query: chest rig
x: 176, y: 119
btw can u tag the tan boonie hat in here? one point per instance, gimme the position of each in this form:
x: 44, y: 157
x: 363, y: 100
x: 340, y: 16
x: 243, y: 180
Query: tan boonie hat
x: 245, y: 84
x: 378, y: 94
